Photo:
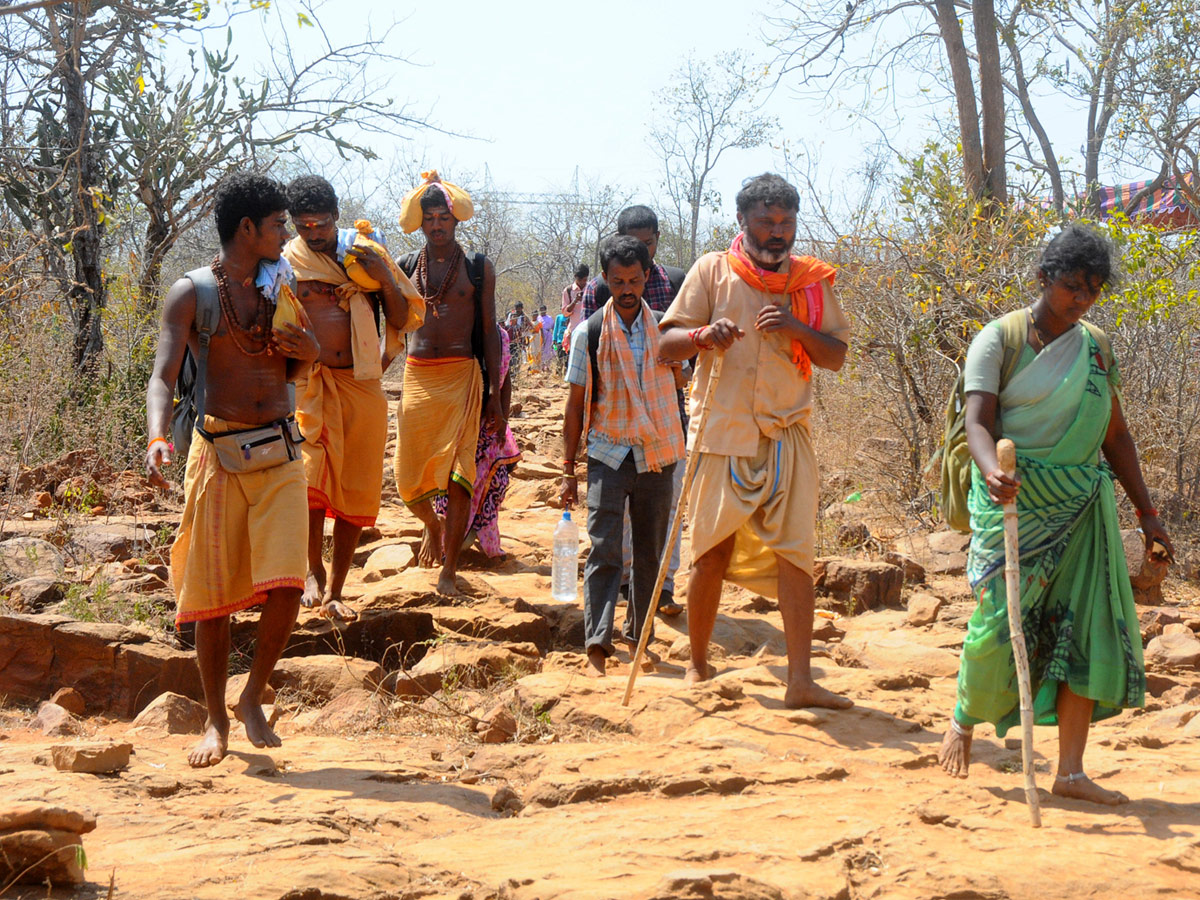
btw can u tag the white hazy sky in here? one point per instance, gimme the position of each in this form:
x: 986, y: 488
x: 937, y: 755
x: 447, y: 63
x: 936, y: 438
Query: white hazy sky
x: 549, y: 86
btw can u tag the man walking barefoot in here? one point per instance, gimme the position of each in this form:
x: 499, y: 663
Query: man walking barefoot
x: 753, y: 503
x: 340, y: 404
x: 437, y: 425
x: 243, y: 535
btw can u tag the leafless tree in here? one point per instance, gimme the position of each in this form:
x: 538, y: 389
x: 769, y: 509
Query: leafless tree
x: 707, y: 110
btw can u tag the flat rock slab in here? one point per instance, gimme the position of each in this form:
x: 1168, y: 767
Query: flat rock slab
x: 25, y: 815
x: 96, y: 758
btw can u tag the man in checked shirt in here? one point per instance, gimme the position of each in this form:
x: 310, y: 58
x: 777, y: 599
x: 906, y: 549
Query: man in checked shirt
x: 662, y: 284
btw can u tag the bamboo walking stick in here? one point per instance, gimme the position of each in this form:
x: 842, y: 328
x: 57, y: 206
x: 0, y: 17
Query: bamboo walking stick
x: 689, y: 473
x: 1006, y: 452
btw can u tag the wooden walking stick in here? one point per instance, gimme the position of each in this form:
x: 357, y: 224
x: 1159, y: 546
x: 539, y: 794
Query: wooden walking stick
x: 689, y: 473
x: 1006, y: 452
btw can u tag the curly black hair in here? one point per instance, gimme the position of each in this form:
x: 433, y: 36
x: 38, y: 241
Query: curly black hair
x: 624, y: 250
x: 246, y: 195
x: 768, y: 189
x: 311, y: 194
x: 1078, y: 248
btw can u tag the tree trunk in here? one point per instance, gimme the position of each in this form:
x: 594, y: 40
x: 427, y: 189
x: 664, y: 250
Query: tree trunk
x: 1051, y: 161
x: 964, y: 95
x: 87, y: 294
x: 157, y: 245
x: 991, y: 99
x: 695, y: 228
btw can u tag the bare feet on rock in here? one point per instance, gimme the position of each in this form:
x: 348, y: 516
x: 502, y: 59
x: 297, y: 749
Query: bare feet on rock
x: 258, y: 730
x: 697, y: 673
x: 801, y: 694
x: 337, y: 610
x: 314, y: 589
x: 596, y: 663
x: 1080, y: 787
x: 210, y: 749
x: 447, y: 585
x: 429, y: 555
x: 955, y: 753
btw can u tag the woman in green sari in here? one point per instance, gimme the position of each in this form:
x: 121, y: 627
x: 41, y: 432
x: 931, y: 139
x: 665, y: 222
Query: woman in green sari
x: 1061, y: 407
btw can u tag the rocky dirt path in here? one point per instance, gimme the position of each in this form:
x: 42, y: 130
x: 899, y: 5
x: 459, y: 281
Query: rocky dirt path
x: 488, y: 766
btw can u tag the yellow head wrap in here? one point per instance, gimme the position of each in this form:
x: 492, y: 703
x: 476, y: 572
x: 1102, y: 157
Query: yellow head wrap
x: 458, y: 201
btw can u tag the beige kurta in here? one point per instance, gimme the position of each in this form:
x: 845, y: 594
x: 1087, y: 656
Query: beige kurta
x: 757, y: 473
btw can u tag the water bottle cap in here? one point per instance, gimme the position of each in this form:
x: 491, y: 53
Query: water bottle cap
x: 566, y: 515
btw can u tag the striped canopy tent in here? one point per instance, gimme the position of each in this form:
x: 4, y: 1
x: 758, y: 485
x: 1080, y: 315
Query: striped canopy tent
x: 1168, y: 207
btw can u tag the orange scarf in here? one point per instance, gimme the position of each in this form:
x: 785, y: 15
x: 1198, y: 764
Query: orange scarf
x: 802, y: 282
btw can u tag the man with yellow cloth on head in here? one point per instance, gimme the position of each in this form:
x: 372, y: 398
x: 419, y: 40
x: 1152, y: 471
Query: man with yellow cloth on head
x: 753, y: 504
x: 340, y: 406
x: 451, y: 376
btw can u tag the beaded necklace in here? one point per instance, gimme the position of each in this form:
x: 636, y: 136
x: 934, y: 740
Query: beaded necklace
x: 422, y: 279
x: 258, y: 330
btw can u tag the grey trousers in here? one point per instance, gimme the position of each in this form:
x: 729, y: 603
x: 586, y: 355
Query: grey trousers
x: 627, y: 540
x: 648, y: 495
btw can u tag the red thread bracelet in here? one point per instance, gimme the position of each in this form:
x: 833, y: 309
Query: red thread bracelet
x: 694, y: 334
x: 1142, y: 513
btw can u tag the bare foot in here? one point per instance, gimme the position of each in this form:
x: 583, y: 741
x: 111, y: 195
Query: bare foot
x: 210, y: 749
x: 314, y: 589
x: 447, y: 585
x: 338, y: 611
x: 429, y: 555
x: 1080, y: 787
x: 697, y: 672
x: 596, y: 663
x: 808, y: 693
x: 258, y: 731
x: 955, y: 753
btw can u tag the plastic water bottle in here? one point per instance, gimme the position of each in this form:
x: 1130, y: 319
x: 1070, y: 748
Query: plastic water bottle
x: 564, y: 577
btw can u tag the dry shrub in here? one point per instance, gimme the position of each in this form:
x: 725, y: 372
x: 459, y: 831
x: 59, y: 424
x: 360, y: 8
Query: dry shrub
x: 46, y: 406
x: 917, y: 288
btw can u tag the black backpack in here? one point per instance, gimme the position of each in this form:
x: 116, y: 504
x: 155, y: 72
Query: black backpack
x: 189, y: 386
x: 475, y: 271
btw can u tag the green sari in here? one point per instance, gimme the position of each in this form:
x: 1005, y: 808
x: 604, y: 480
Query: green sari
x: 1076, y: 601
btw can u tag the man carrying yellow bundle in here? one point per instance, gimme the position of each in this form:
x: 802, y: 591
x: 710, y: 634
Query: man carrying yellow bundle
x: 340, y: 405
x: 452, y: 373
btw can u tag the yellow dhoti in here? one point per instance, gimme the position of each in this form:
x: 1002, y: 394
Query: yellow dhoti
x: 241, y: 535
x: 344, y: 423
x: 769, y: 501
x: 437, y: 426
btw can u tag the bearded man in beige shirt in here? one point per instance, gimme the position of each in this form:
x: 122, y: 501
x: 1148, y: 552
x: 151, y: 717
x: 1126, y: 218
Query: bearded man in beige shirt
x: 753, y: 503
